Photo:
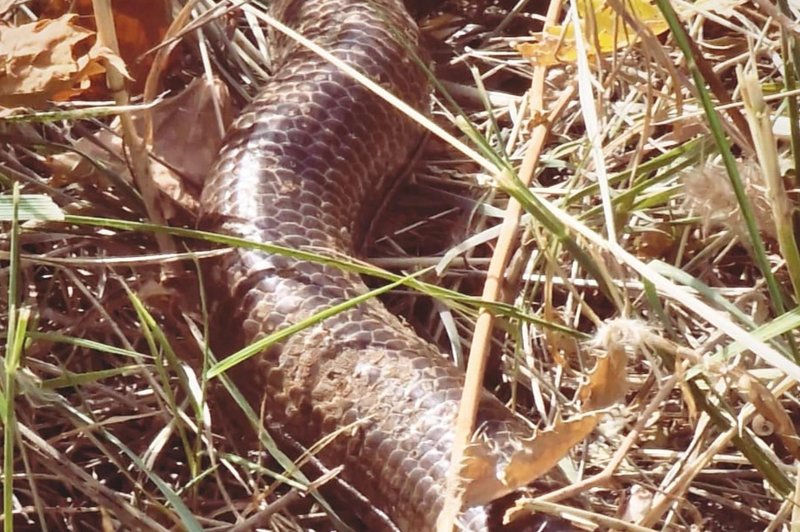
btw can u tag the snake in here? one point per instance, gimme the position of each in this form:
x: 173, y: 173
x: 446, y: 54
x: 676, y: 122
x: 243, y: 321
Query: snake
x: 304, y: 166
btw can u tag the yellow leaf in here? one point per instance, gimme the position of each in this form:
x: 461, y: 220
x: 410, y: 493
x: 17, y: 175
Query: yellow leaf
x: 606, y: 31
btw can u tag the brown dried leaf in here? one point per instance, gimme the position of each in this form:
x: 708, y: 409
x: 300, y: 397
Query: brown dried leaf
x: 654, y: 244
x: 185, y: 128
x: 48, y: 60
x: 186, y: 140
x: 769, y: 407
x: 608, y: 381
x: 488, y: 480
x: 140, y: 26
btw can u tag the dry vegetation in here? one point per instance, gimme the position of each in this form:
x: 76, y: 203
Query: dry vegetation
x: 651, y: 283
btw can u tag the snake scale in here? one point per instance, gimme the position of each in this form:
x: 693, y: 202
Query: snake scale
x: 304, y: 166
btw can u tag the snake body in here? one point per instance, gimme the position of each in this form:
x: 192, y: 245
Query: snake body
x: 304, y: 166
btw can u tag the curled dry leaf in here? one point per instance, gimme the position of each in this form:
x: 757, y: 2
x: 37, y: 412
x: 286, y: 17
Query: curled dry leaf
x: 488, y: 480
x: 607, y: 381
x: 772, y: 410
x: 49, y: 60
x: 186, y: 138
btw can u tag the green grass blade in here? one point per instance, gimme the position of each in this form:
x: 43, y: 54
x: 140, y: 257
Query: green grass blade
x: 12, y: 362
x: 261, y: 345
x: 70, y: 379
x: 29, y: 207
x: 456, y: 299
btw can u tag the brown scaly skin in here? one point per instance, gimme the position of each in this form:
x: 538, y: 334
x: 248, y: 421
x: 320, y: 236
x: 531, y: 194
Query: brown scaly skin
x: 304, y: 166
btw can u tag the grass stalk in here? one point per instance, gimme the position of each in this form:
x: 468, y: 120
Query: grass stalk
x: 12, y: 362
x: 14, y: 345
x: 790, y: 53
x: 760, y: 121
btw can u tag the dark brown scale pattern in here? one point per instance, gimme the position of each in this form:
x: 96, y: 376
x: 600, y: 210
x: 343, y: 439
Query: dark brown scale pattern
x: 304, y: 166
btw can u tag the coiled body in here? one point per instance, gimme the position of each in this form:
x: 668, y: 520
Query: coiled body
x: 304, y: 166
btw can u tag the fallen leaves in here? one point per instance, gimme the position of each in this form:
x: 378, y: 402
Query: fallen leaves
x: 489, y: 478
x: 607, y: 383
x: 50, y: 59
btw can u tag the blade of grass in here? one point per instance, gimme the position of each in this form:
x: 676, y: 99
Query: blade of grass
x: 12, y: 361
x: 456, y: 299
x: 783, y: 324
x: 87, y: 344
x: 591, y: 121
x: 164, y: 358
x: 278, y: 336
x: 69, y: 379
x: 13, y: 351
x: 790, y: 52
x: 766, y: 149
x: 29, y: 207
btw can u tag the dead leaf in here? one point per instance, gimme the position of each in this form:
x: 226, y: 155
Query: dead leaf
x: 654, y: 244
x: 140, y: 26
x: 607, y: 384
x: 488, y: 480
x: 6, y: 5
x: 562, y: 347
x: 186, y: 140
x: 48, y: 60
x: 607, y: 381
x: 610, y: 33
x: 772, y: 410
x: 186, y: 132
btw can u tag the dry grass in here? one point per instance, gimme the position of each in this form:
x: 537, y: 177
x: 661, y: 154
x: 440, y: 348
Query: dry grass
x: 633, y: 239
